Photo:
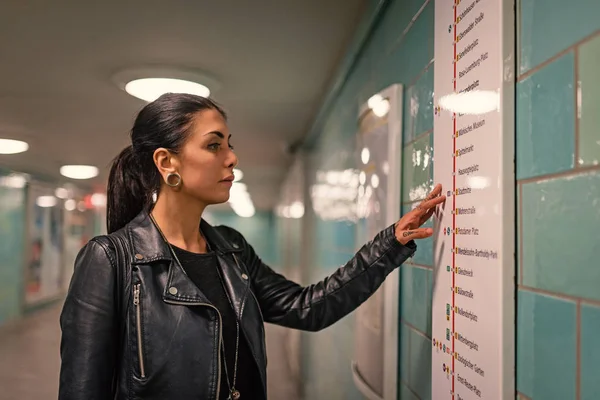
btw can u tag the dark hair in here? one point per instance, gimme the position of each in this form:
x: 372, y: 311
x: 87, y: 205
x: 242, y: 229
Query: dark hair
x: 133, y: 176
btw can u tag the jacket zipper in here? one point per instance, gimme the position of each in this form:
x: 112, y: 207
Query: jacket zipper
x: 185, y: 303
x: 138, y: 324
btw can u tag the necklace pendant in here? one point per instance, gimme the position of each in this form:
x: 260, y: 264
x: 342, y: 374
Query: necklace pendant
x: 235, y: 394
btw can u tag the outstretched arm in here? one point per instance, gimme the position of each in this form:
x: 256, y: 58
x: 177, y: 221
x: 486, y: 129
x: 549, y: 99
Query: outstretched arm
x: 319, y: 305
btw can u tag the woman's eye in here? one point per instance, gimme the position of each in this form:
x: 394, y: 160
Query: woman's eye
x: 231, y: 147
x: 214, y: 146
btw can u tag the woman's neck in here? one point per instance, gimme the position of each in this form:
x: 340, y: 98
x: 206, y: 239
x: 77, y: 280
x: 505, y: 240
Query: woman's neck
x: 179, y: 220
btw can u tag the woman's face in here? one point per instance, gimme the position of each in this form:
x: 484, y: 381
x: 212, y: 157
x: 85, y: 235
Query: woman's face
x: 207, y: 159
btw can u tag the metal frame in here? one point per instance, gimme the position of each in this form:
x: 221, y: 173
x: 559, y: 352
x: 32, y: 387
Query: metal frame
x: 391, y: 285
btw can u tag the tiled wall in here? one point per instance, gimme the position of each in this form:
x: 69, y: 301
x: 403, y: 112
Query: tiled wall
x: 12, y: 225
x: 558, y: 152
x: 400, y: 50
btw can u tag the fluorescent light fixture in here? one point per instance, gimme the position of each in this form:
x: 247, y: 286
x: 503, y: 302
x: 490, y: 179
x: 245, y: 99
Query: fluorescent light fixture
x: 150, y: 89
x: 238, y: 174
x: 474, y: 103
x: 10, y: 146
x: 46, y: 201
x: 79, y: 171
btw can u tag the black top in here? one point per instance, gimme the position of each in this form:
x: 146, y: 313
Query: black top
x: 203, y: 270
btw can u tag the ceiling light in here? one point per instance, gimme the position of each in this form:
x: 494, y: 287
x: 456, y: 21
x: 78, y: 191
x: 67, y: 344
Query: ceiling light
x: 70, y: 205
x: 14, y: 181
x: 365, y: 154
x: 10, y: 146
x: 46, y: 201
x: 150, y: 89
x: 98, y: 200
x: 79, y: 171
x: 238, y: 174
x: 382, y: 108
x: 61, y: 193
x: 374, y: 101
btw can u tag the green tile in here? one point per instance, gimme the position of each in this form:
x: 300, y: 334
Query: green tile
x: 406, y: 393
x: 546, y: 347
x: 420, y: 365
x: 589, y: 122
x: 551, y: 26
x: 417, y: 170
x: 404, y: 356
x: 546, y: 120
x: 416, y: 297
x: 560, y: 223
x: 418, y: 107
x: 590, y: 352
x: 410, y: 57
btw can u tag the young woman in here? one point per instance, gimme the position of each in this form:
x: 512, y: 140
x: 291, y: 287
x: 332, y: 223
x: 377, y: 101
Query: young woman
x: 168, y: 307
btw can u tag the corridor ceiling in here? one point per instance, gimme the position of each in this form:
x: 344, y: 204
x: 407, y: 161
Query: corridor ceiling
x: 272, y: 60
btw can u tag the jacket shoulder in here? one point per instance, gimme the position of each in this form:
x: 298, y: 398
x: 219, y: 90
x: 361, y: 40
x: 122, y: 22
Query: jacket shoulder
x: 230, y: 234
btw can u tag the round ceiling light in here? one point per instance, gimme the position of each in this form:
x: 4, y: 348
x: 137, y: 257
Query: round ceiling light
x: 150, y: 89
x: 10, y: 146
x: 79, y: 171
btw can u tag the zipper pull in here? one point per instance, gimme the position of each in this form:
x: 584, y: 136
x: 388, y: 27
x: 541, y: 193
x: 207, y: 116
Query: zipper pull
x: 136, y: 294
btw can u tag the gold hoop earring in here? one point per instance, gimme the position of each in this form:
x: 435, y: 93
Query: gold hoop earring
x: 168, y: 179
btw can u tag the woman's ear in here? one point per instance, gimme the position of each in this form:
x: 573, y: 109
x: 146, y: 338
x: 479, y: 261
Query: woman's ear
x: 165, y: 161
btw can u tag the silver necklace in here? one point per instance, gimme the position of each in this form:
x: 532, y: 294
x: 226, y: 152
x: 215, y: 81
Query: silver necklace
x: 234, y: 394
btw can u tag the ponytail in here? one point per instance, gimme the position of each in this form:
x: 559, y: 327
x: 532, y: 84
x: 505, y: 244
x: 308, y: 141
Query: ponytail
x: 126, y: 196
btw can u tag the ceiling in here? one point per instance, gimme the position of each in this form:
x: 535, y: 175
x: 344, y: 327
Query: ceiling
x: 272, y: 60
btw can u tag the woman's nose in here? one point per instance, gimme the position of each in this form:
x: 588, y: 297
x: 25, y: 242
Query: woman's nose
x: 232, y: 159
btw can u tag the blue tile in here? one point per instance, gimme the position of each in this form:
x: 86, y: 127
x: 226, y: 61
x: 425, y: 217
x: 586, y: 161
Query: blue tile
x: 590, y: 352
x: 560, y: 223
x: 546, y: 347
x: 415, y: 297
x: 420, y: 365
x: 546, y: 120
x: 550, y: 26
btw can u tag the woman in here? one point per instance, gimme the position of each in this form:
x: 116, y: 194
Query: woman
x: 167, y: 306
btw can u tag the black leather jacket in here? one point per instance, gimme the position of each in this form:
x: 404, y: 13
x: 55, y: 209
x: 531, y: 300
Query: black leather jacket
x: 155, y: 347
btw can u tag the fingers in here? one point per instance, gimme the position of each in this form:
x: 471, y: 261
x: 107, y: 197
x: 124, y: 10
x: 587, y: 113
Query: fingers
x: 426, y: 217
x: 426, y: 205
x: 421, y: 233
x: 435, y: 192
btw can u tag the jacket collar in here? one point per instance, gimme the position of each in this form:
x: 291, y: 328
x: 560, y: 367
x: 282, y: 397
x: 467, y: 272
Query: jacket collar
x: 148, y: 244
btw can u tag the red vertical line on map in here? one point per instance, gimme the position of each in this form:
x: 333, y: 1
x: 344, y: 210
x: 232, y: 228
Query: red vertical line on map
x: 454, y: 62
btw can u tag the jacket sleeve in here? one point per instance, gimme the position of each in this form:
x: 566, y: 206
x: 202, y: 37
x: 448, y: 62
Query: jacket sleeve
x: 319, y: 305
x: 88, y: 324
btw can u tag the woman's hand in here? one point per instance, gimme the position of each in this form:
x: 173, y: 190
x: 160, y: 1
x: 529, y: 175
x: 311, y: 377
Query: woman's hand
x: 409, y: 226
